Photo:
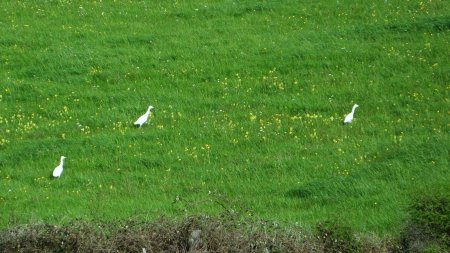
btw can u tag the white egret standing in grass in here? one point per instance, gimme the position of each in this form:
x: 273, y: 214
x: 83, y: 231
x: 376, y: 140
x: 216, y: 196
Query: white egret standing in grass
x: 349, y: 116
x: 144, y: 117
x: 59, y: 169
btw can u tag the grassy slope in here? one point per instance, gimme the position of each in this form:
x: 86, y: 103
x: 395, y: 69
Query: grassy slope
x: 249, y: 101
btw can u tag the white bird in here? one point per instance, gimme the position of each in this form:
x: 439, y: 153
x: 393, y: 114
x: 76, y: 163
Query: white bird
x: 144, y: 117
x: 59, y: 169
x: 349, y: 116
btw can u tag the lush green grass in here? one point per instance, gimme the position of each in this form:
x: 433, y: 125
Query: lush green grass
x: 249, y: 97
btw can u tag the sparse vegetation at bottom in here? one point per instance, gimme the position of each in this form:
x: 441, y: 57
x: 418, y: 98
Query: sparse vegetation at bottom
x: 426, y: 230
x: 224, y: 233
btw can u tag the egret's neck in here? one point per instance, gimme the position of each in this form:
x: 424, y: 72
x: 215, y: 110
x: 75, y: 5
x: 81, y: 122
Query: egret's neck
x: 354, y: 108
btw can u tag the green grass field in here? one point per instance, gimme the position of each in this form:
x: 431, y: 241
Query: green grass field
x: 249, y: 99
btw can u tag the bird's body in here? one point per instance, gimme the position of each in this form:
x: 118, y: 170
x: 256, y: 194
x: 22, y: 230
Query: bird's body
x: 144, y: 117
x: 59, y: 169
x: 349, y: 116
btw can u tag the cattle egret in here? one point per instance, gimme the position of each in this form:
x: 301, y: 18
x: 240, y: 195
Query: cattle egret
x: 59, y: 169
x: 349, y: 116
x: 144, y: 117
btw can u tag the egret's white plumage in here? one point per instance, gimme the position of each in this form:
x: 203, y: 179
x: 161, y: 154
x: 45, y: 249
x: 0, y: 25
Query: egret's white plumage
x: 349, y: 116
x: 59, y: 169
x: 144, y: 117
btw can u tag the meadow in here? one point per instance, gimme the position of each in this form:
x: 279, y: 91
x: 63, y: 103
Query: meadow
x: 249, y: 99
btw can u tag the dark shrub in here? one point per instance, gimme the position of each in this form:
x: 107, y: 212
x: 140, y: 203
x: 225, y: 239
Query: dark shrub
x: 428, y: 227
x: 337, y: 237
